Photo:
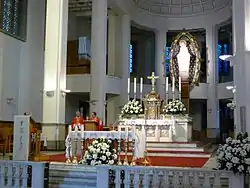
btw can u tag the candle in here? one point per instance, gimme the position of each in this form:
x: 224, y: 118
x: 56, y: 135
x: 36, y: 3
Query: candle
x: 134, y: 87
x: 179, y: 85
x: 173, y: 84
x: 128, y: 85
x: 141, y: 85
x: 166, y: 84
x: 82, y: 131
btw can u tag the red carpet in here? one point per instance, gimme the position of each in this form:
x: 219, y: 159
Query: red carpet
x: 155, y: 161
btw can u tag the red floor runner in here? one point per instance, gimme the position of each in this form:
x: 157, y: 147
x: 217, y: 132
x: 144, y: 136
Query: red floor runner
x: 156, y: 161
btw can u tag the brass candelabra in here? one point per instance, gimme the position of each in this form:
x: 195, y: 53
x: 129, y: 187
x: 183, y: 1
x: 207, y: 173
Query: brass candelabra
x: 146, y: 161
x: 119, y: 152
x: 133, y: 163
x: 125, y: 162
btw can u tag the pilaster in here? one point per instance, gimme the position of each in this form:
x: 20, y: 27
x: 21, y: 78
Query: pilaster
x: 98, y: 57
x: 241, y: 61
x: 160, y: 65
x: 213, y: 126
x: 111, y: 43
x: 55, y: 71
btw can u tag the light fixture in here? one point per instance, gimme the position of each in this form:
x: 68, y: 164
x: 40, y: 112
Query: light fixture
x: 233, y: 88
x: 228, y: 58
x: 65, y: 91
x: 230, y: 87
x: 49, y: 93
x: 10, y: 100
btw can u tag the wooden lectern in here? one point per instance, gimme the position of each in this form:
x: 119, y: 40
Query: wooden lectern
x: 90, y: 125
x: 185, y: 93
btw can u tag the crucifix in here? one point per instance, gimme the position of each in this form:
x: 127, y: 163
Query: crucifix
x: 153, y: 79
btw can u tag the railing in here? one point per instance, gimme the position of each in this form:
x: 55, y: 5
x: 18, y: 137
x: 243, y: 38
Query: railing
x: 22, y: 174
x: 161, y: 177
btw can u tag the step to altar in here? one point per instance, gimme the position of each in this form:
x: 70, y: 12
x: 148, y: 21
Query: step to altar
x: 178, y: 149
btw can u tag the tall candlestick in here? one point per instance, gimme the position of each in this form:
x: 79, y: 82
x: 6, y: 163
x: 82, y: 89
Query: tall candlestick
x: 141, y: 87
x: 179, y: 88
x: 134, y: 88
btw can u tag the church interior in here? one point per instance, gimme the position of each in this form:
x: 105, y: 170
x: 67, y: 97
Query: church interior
x: 65, y: 63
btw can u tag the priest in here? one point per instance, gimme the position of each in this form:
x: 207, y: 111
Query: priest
x: 77, y: 121
x: 97, y: 120
x: 76, y: 144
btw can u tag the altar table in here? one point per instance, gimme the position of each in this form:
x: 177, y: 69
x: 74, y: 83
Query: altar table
x: 160, y: 130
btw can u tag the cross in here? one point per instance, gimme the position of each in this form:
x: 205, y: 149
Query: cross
x: 153, y: 79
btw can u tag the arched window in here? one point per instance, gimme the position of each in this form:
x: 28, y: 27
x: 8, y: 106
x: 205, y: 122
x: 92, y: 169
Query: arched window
x: 13, y: 17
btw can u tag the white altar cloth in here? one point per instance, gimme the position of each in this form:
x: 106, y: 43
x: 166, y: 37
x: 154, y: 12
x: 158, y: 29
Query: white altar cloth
x: 101, y: 134
x: 129, y: 135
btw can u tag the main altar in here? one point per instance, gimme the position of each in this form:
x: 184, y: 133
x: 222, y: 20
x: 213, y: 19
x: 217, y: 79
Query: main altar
x: 154, y: 125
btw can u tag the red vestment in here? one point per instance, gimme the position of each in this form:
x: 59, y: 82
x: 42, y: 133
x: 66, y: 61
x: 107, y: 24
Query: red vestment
x: 77, y: 121
x: 97, y: 120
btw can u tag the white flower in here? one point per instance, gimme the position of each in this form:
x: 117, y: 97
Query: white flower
x: 93, y: 162
x: 103, y: 158
x: 111, y: 162
x: 229, y: 165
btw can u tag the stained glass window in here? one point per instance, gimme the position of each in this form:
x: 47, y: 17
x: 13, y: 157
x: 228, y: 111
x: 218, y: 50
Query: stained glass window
x: 167, y: 59
x: 223, y: 66
x: 13, y: 17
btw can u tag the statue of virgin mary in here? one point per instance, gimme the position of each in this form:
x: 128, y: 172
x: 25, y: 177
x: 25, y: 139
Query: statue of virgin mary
x: 185, y: 59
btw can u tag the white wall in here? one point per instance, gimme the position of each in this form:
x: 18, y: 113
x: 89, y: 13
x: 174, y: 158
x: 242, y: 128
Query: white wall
x: 32, y: 62
x: 9, y: 68
x: 21, y: 65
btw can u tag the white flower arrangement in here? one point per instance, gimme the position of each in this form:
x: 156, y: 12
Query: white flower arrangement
x: 233, y: 155
x: 231, y: 105
x: 174, y: 107
x: 133, y: 107
x: 100, y: 152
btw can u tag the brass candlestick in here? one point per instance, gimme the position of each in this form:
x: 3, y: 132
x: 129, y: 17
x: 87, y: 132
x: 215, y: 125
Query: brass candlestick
x: 133, y: 153
x: 119, y: 152
x: 146, y: 161
x: 125, y: 162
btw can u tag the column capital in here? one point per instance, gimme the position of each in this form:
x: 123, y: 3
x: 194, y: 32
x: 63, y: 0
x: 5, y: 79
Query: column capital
x: 158, y: 31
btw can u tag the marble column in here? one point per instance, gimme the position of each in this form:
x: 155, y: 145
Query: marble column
x: 55, y: 73
x: 213, y: 127
x: 98, y: 57
x: 123, y: 29
x: 111, y: 42
x: 112, y: 22
x: 160, y: 65
x: 241, y: 49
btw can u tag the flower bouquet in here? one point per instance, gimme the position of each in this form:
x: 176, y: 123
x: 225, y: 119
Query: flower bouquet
x: 174, y: 107
x: 133, y: 107
x: 233, y: 155
x: 100, y: 152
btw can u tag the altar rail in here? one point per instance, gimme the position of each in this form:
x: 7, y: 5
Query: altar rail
x: 161, y: 177
x: 23, y: 174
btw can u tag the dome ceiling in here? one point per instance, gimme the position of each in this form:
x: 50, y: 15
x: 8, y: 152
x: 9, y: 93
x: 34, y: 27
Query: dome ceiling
x: 177, y: 8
